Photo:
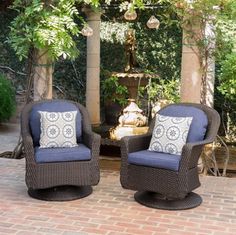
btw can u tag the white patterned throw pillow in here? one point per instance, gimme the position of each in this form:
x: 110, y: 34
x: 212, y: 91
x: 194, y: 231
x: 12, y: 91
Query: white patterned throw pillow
x: 170, y: 134
x: 58, y: 129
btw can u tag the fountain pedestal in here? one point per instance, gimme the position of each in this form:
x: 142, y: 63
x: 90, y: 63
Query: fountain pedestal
x: 118, y: 132
x: 131, y: 122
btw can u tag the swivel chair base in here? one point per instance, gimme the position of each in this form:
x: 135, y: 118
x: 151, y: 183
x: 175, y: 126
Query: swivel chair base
x: 61, y: 193
x: 155, y: 200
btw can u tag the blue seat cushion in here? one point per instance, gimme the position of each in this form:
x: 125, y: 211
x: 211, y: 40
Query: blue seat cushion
x: 52, y: 106
x: 155, y: 159
x: 199, y: 123
x: 78, y: 153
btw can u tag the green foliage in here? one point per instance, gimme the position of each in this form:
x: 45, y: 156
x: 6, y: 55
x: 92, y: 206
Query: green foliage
x: 226, y: 31
x: 53, y: 26
x: 159, y: 89
x: 225, y: 97
x: 50, y: 25
x: 44, y: 26
x: 7, y: 99
x: 8, y: 57
x: 113, y: 32
x: 70, y: 76
x: 227, y: 77
x: 164, y: 89
x: 158, y: 51
x: 113, y: 92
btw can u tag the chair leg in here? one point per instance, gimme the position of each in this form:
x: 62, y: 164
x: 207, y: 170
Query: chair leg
x: 155, y: 200
x: 61, y: 193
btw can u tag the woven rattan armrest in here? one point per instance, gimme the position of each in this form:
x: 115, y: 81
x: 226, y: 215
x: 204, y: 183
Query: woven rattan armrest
x: 92, y: 140
x: 28, y: 147
x: 191, y: 153
x: 135, y: 143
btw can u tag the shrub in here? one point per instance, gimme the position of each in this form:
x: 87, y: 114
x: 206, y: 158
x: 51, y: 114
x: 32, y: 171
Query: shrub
x: 228, y: 77
x: 227, y: 88
x: 113, y: 92
x: 7, y: 99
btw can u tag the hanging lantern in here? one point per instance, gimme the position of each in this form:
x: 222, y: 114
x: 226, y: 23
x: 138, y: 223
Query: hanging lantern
x: 153, y: 23
x: 130, y: 15
x: 87, y: 31
x: 179, y: 5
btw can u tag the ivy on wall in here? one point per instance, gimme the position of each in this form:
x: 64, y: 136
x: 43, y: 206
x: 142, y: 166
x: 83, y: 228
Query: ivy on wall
x: 158, y: 51
x: 8, y: 60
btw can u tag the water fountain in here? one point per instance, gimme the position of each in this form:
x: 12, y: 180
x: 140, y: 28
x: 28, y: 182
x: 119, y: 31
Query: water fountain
x: 132, y: 121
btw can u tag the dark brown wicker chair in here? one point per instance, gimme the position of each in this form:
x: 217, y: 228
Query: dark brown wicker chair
x: 59, y: 180
x: 164, y: 188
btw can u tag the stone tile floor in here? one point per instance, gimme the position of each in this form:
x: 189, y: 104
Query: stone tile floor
x: 9, y: 136
x: 111, y: 210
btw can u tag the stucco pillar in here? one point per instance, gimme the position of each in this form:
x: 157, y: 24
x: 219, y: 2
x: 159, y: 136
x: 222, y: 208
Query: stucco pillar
x: 93, y: 67
x: 190, y: 90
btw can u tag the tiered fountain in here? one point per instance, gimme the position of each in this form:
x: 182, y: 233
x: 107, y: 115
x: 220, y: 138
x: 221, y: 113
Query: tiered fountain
x: 132, y: 121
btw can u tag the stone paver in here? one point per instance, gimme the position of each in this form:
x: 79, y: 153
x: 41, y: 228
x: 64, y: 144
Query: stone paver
x: 111, y: 210
x: 9, y: 136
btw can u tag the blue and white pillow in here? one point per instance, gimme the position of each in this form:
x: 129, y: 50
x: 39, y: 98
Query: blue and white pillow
x: 170, y: 134
x: 58, y: 129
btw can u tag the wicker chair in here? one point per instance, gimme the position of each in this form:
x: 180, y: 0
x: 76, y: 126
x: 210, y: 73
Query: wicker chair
x: 160, y: 187
x: 59, y: 179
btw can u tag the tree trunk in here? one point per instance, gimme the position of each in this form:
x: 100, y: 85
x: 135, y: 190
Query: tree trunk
x: 42, y: 75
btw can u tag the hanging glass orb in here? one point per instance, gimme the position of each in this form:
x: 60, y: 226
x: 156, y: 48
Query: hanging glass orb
x: 179, y: 5
x: 130, y: 15
x: 87, y: 31
x: 153, y: 23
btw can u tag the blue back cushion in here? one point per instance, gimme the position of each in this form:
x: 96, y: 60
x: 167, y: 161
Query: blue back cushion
x: 199, y: 123
x: 55, y: 106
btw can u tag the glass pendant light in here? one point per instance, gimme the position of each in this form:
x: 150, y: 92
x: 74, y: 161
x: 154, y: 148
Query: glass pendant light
x: 153, y: 23
x: 130, y: 15
x: 87, y: 31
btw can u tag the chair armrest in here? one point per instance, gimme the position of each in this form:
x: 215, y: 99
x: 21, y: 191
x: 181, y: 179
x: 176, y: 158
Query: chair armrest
x: 28, y: 147
x: 191, y: 153
x: 135, y: 143
x: 202, y: 142
x: 92, y: 140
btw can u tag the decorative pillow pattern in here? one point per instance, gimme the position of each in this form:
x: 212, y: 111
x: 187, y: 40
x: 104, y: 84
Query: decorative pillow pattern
x: 58, y: 129
x: 170, y: 134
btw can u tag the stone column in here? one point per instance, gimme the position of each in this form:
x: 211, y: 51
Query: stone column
x: 190, y: 90
x: 93, y: 67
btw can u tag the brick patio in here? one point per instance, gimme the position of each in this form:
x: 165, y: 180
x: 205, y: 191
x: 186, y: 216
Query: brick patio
x: 111, y: 210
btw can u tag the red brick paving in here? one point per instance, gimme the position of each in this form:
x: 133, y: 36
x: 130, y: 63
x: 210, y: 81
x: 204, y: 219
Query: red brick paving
x: 111, y: 210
